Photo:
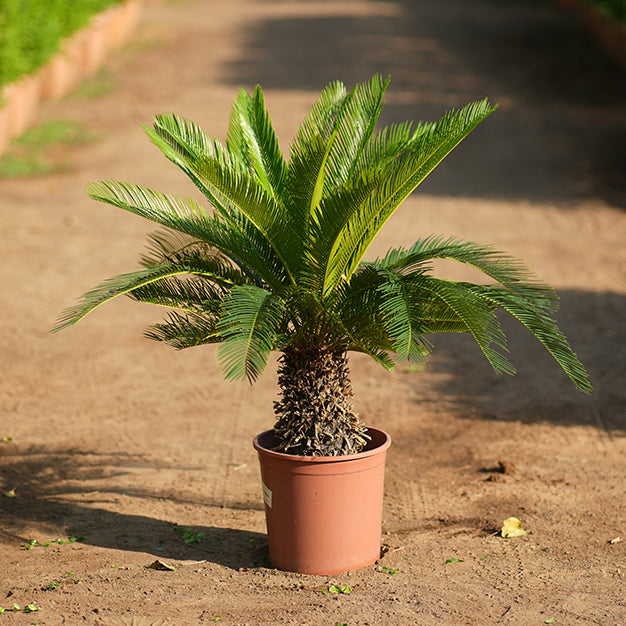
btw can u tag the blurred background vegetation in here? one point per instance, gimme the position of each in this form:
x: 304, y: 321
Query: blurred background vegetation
x: 614, y: 8
x: 32, y: 31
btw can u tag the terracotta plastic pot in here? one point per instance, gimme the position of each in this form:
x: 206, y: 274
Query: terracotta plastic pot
x: 323, y: 514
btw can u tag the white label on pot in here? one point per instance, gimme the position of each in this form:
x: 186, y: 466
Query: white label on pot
x: 267, y: 495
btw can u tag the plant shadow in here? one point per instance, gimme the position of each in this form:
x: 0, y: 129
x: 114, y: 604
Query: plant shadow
x: 595, y: 324
x: 44, y: 496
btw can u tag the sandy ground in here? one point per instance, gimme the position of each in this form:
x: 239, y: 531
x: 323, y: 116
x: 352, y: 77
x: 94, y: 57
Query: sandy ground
x: 119, y: 440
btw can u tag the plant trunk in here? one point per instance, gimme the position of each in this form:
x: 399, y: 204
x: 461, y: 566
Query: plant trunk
x: 315, y: 414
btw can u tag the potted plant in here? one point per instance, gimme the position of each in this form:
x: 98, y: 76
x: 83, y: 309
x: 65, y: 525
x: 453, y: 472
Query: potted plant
x: 278, y: 265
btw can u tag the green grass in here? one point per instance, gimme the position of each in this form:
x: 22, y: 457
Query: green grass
x: 53, y: 133
x: 101, y: 85
x: 32, y: 154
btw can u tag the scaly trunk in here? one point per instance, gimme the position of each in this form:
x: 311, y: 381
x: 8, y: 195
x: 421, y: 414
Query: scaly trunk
x: 315, y: 414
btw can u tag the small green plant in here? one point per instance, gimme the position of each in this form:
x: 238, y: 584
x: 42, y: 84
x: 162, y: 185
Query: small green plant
x: 264, y: 562
x: 338, y: 589
x: 187, y: 534
x: 550, y: 620
x: 454, y: 560
x: 56, y: 583
x: 7, y: 440
x: 388, y: 570
x: 34, y: 543
x: 16, y: 608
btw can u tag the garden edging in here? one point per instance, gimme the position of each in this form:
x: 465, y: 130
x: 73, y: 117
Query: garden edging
x: 81, y: 56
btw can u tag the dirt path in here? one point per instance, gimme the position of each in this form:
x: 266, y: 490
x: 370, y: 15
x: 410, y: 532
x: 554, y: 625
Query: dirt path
x: 118, y: 440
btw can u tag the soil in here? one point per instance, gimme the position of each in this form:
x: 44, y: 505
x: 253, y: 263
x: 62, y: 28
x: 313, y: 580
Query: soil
x: 133, y: 448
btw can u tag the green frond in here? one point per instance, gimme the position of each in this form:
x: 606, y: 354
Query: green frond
x: 468, y: 310
x: 353, y: 128
x: 249, y: 326
x: 395, y: 307
x: 543, y: 328
x: 326, y: 224
x: 242, y: 248
x: 241, y: 198
x: 384, y: 147
x: 319, y: 122
x: 164, y: 246
x: 304, y: 176
x: 165, y: 209
x: 186, y: 145
x: 252, y: 138
x: 200, y: 258
x: 505, y: 269
x: 190, y: 294
x: 185, y: 330
x: 360, y: 316
x: 325, y: 152
x: 113, y: 287
x: 427, y: 147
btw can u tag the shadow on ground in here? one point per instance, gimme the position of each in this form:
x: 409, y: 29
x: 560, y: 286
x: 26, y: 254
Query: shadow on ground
x: 40, y: 477
x: 560, y: 133
x: 595, y: 324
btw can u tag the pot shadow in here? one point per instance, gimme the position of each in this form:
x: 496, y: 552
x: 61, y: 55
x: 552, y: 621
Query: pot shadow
x: 42, y: 496
x: 559, y: 134
x: 595, y: 324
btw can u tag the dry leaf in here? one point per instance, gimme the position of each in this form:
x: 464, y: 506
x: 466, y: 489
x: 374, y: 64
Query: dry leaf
x: 616, y: 540
x: 161, y: 566
x: 512, y: 527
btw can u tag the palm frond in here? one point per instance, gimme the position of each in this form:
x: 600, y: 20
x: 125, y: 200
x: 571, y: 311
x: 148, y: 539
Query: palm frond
x: 252, y: 137
x: 468, y: 310
x: 505, y: 269
x: 202, y: 259
x: 543, y: 328
x: 241, y: 198
x: 396, y: 310
x: 326, y: 150
x: 304, y: 176
x: 246, y: 252
x: 384, y: 147
x: 190, y: 294
x: 427, y: 147
x: 165, y: 209
x: 113, y: 287
x: 185, y: 330
x: 327, y: 223
x: 249, y: 326
x: 352, y: 128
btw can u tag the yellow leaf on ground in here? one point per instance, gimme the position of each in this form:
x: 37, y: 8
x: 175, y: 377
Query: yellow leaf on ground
x: 512, y: 527
x: 162, y: 566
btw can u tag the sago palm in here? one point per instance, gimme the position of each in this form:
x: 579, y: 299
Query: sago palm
x: 278, y: 264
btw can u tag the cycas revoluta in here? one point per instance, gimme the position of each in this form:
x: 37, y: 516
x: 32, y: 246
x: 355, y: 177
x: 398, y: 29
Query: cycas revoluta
x: 278, y: 263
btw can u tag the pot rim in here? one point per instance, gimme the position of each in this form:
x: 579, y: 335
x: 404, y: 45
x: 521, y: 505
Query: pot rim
x: 377, y: 449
